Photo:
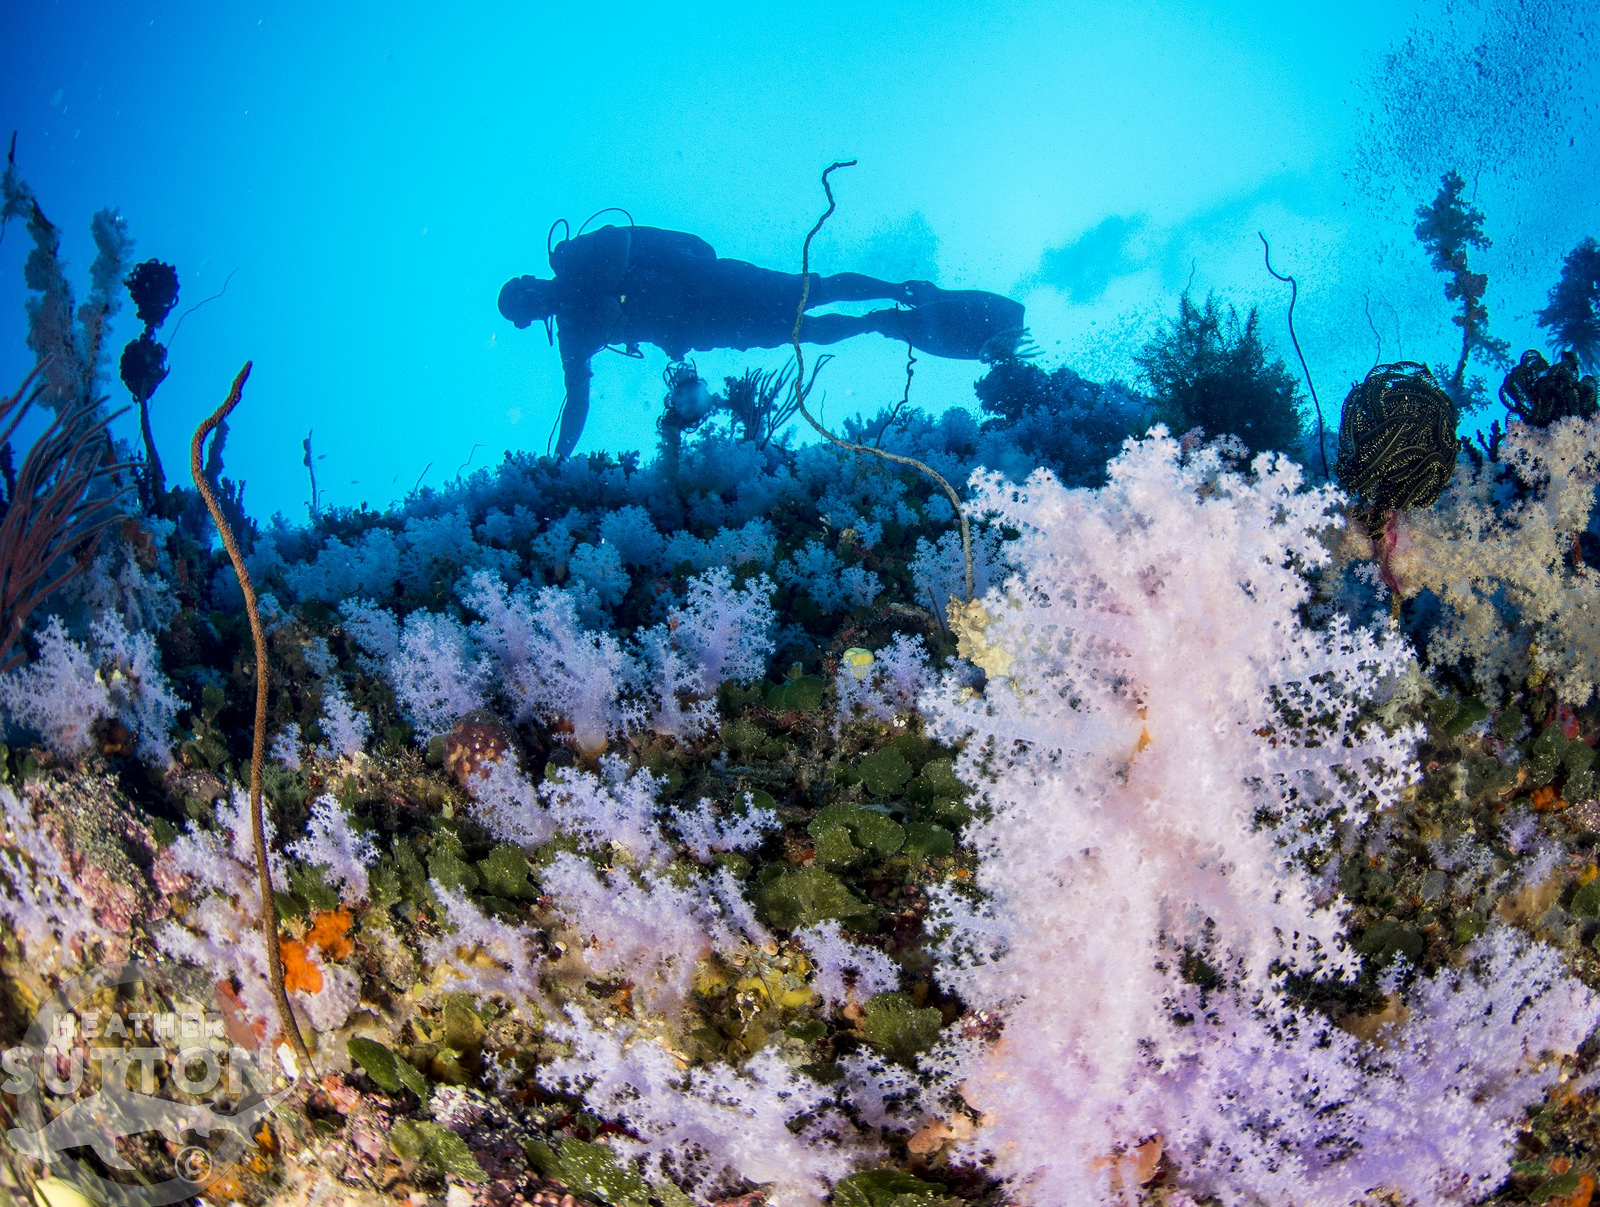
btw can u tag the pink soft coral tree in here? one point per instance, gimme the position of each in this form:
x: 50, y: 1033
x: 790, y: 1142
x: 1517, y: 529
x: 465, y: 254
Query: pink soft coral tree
x: 1161, y: 744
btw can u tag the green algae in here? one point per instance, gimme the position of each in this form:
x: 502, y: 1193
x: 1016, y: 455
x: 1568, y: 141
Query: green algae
x: 847, y: 834
x: 885, y: 772
x: 894, y: 1023
x: 504, y: 873
x: 801, y: 694
x: 925, y: 840
x: 437, y: 1146
x: 388, y: 1071
x: 888, y: 1188
x: 807, y: 896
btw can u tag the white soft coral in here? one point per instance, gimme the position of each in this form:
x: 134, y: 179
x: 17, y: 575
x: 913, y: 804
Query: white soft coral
x: 1485, y: 555
x: 550, y: 667
x: 713, y: 1124
x: 1160, y: 734
x: 222, y: 933
x: 38, y: 895
x: 69, y: 686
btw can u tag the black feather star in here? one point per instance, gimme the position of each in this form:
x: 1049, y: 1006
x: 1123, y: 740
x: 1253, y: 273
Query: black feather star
x: 1540, y: 393
x: 1397, y: 438
x: 153, y: 286
x: 143, y: 366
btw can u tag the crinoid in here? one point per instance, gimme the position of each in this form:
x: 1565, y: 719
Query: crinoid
x: 1397, y: 438
x: 762, y: 403
x: 1540, y: 393
x: 153, y: 286
x: 143, y: 367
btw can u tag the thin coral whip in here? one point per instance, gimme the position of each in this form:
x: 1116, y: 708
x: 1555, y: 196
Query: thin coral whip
x: 258, y: 748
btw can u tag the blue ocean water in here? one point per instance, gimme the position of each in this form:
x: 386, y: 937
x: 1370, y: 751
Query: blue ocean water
x: 357, y: 181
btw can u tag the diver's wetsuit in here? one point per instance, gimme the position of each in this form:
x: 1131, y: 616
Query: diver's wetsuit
x: 631, y: 285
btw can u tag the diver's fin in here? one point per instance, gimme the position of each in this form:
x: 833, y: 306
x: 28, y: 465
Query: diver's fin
x: 958, y: 324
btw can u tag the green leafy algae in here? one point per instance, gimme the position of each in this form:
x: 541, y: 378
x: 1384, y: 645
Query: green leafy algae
x: 807, y: 896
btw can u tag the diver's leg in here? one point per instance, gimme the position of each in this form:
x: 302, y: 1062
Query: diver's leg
x: 743, y: 306
x: 858, y: 287
x: 963, y: 325
x: 849, y: 287
x: 832, y: 328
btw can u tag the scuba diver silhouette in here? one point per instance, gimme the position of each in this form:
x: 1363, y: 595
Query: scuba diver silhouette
x: 629, y: 285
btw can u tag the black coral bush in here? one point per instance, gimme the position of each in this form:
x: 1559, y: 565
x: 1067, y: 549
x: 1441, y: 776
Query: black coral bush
x: 1210, y: 369
x: 1573, y: 316
x: 1448, y: 228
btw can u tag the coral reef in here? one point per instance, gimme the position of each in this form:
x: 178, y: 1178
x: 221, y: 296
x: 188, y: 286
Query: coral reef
x: 1057, y: 420
x: 1499, y: 552
x: 724, y: 828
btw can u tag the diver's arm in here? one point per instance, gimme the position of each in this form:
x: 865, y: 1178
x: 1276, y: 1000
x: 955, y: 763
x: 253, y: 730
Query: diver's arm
x: 577, y: 373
